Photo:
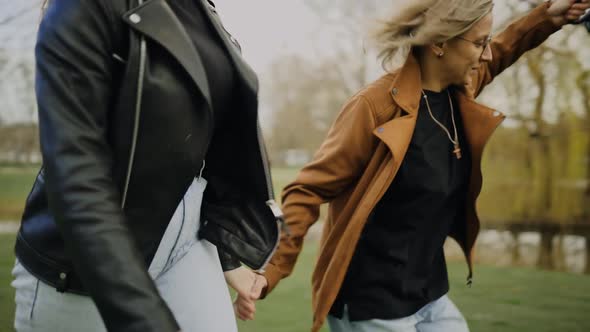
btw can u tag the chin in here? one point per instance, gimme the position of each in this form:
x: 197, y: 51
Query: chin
x: 467, y: 80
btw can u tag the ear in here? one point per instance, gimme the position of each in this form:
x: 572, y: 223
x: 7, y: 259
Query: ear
x: 438, y: 49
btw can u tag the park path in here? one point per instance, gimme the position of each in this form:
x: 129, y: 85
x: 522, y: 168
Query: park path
x: 8, y: 227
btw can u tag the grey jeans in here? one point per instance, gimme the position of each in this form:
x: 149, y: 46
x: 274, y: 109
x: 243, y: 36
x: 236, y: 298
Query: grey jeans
x: 186, y: 272
x: 437, y: 316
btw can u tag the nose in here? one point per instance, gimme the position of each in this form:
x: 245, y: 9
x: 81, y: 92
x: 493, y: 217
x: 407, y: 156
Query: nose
x: 487, y: 56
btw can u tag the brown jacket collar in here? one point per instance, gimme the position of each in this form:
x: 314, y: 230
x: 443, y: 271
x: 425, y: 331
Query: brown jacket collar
x: 406, y: 86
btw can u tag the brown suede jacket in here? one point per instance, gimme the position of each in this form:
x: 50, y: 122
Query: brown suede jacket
x: 362, y: 154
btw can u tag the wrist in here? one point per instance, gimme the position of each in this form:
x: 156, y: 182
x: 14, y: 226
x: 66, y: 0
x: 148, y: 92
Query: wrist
x: 265, y: 284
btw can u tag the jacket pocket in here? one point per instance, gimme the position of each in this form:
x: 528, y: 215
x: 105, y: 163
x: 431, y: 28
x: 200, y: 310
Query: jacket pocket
x: 247, y: 231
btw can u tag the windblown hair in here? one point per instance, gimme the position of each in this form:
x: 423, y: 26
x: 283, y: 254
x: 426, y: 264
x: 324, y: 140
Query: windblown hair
x: 424, y: 22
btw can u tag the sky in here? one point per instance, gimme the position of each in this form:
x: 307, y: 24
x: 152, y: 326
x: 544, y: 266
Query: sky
x: 266, y: 30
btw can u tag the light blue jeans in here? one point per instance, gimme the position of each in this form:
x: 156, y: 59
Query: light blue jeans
x: 437, y: 316
x: 186, y: 272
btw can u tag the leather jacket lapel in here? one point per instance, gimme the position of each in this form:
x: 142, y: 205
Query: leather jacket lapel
x: 234, y: 51
x: 156, y: 20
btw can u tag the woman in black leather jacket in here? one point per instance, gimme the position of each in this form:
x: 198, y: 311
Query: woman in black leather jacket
x: 140, y: 102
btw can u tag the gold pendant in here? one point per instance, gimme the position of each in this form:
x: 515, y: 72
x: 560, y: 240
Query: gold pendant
x: 457, y: 151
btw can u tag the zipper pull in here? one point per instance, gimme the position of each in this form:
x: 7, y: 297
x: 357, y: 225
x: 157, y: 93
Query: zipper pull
x: 275, y: 208
x: 278, y: 213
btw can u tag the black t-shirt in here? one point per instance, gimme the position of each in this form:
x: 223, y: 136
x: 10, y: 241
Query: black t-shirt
x: 399, y: 265
x: 218, y: 65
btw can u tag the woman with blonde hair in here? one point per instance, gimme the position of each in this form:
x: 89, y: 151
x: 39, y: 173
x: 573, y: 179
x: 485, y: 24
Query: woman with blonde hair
x: 400, y: 169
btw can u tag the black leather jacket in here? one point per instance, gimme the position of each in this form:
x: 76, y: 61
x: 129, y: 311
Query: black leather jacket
x: 126, y: 123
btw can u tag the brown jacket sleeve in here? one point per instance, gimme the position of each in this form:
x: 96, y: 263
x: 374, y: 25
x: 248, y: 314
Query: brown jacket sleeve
x: 508, y: 46
x: 338, y: 162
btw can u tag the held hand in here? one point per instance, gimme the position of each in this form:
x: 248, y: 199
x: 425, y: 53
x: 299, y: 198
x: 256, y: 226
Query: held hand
x: 567, y: 11
x: 245, y: 306
x: 241, y: 280
x: 259, y: 285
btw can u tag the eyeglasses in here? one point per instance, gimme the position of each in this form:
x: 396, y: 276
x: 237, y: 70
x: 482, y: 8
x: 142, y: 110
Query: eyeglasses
x: 480, y: 44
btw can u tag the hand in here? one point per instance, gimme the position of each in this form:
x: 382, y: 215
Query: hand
x: 567, y: 11
x: 245, y: 306
x: 241, y: 280
x: 259, y: 285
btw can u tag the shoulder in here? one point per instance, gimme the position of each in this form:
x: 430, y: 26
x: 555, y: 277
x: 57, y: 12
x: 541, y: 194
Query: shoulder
x: 379, y: 99
x: 74, y: 21
x: 83, y: 13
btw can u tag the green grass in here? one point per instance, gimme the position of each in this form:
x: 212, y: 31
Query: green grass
x: 522, y: 299
x: 502, y: 299
x: 15, y: 185
x: 6, y: 292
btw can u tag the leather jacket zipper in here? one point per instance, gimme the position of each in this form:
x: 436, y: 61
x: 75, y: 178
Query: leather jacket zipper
x: 272, y: 204
x: 139, y: 94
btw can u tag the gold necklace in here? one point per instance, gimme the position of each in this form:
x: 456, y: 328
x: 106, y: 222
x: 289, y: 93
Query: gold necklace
x: 457, y: 147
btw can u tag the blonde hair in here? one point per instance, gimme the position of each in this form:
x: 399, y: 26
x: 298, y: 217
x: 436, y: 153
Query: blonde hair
x: 424, y: 22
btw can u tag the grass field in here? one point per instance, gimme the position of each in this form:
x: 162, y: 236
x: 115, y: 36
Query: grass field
x: 15, y: 185
x: 6, y: 292
x: 502, y: 299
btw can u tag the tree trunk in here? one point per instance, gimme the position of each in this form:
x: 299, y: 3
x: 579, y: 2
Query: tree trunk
x: 540, y: 140
x: 558, y: 253
x: 584, y: 86
x: 587, y: 269
x: 515, y: 248
x: 546, y: 250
